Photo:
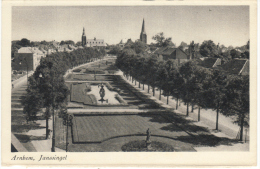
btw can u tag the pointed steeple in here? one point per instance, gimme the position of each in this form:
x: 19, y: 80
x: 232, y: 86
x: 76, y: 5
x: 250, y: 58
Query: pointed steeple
x: 83, y: 38
x: 143, y: 36
x: 83, y: 31
x: 143, y: 28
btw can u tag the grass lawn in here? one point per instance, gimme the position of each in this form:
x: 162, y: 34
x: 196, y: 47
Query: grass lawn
x: 100, y: 128
x: 108, y: 133
x: 96, y: 128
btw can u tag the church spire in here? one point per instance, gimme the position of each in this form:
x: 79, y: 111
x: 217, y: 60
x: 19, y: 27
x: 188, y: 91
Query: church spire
x: 143, y: 28
x: 83, y: 31
x: 143, y: 36
x: 83, y: 38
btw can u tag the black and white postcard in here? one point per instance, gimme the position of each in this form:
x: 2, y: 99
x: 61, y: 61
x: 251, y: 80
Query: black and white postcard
x: 129, y: 83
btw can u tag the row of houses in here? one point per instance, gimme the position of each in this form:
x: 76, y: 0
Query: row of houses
x: 28, y: 58
x: 236, y: 66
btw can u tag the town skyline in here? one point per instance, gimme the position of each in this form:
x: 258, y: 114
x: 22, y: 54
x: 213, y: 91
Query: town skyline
x: 227, y: 25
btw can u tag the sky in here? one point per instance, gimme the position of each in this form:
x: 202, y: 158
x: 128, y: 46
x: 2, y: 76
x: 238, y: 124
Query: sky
x: 228, y: 25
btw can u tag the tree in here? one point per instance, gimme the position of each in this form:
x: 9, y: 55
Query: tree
x: 203, y: 81
x: 114, y: 50
x: 32, y: 102
x: 79, y: 43
x: 183, y: 45
x: 24, y: 42
x: 14, y: 49
x: 208, y: 49
x: 188, y: 79
x: 235, y: 53
x: 161, y: 40
x: 171, y: 79
x: 238, y: 100
x: 151, y: 68
x: 139, y: 47
x: 216, y: 93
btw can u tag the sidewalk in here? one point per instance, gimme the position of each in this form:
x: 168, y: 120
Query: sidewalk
x: 19, y: 82
x: 207, y: 119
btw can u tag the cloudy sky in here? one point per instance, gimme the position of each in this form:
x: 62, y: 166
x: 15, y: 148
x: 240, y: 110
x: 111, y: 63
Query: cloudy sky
x: 228, y: 25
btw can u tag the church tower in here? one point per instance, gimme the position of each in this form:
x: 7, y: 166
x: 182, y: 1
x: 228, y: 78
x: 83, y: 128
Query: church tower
x: 84, y: 38
x: 143, y: 36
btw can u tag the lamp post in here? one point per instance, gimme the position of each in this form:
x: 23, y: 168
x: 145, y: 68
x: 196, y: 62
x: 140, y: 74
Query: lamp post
x: 67, y: 120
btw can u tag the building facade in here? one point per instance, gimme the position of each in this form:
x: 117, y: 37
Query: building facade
x: 27, y: 58
x: 92, y: 42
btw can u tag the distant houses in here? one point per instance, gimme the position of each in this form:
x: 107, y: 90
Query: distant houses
x: 29, y: 57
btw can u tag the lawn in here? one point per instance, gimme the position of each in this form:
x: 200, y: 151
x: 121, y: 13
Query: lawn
x: 100, y: 128
x: 87, y: 77
x: 97, y: 133
x: 79, y: 94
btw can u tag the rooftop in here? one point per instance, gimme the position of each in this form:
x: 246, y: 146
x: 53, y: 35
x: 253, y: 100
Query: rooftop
x: 236, y: 66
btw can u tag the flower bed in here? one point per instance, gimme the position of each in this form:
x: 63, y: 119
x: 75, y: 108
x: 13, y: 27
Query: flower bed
x: 94, y: 71
x: 76, y: 70
x: 140, y: 145
x: 78, y: 94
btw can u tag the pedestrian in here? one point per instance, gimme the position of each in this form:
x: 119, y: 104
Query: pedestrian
x: 12, y: 86
x: 49, y: 134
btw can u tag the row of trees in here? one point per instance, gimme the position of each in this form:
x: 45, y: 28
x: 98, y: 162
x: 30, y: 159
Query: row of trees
x: 195, y: 85
x: 46, y: 87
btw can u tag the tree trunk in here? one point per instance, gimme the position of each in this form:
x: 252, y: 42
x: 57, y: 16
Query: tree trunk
x: 148, y: 88
x: 47, y: 126
x: 187, y: 109
x: 153, y: 91
x: 177, y: 103
x: 167, y: 98
x: 192, y: 108
x: 132, y: 79
x: 135, y: 82
x: 199, y: 114
x: 143, y: 86
x: 139, y: 85
x: 242, y: 126
x: 217, y: 117
x: 160, y: 94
